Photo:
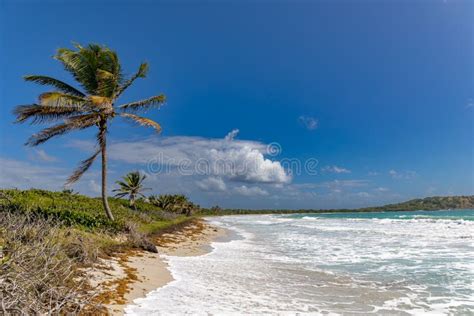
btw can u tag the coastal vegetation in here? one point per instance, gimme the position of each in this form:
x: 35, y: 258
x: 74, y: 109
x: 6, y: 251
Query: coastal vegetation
x: 176, y: 203
x: 98, y: 71
x: 47, y: 239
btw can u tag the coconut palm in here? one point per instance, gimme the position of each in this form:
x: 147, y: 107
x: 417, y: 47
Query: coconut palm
x: 98, y: 72
x: 131, y: 186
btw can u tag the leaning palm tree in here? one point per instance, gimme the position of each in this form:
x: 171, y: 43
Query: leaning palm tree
x: 98, y: 71
x: 132, y: 185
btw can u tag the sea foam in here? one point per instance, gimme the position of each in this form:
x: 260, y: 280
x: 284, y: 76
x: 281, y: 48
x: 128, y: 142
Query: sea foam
x: 307, y: 265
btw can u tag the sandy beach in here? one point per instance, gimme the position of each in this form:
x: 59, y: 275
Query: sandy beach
x: 131, y: 275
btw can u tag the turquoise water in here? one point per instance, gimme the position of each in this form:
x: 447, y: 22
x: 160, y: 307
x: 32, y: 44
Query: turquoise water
x: 384, y: 263
x: 462, y: 214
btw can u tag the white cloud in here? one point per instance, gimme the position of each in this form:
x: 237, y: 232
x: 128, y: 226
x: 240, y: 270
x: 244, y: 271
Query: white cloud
x: 345, y: 183
x: 335, y: 169
x: 212, y: 184
x: 232, y: 134
x: 25, y: 175
x: 309, y: 122
x: 250, y: 191
x: 402, y: 174
x: 363, y: 194
x: 227, y: 158
x: 381, y: 189
x: 44, y: 156
x: 373, y: 173
x: 41, y: 155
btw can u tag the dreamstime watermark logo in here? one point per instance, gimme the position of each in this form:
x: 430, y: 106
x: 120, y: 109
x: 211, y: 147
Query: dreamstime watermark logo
x: 274, y: 149
x: 237, y: 165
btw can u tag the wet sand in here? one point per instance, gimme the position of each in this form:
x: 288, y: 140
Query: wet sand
x: 132, y: 275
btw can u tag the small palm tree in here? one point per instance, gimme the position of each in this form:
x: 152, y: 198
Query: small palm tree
x: 131, y: 186
x: 98, y: 71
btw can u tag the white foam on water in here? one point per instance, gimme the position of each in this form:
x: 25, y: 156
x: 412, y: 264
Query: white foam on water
x: 283, y: 265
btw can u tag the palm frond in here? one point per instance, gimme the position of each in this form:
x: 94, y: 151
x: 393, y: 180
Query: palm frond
x: 73, y: 123
x: 86, y: 164
x: 83, y: 167
x: 141, y: 73
x: 44, y: 113
x: 62, y: 86
x: 120, y: 195
x: 91, y: 65
x: 56, y: 98
x: 122, y: 184
x: 106, y: 83
x: 143, y: 121
x: 81, y: 65
x: 99, y: 102
x: 146, y: 104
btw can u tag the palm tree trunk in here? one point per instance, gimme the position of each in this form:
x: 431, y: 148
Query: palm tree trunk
x: 104, y: 174
x: 132, y: 201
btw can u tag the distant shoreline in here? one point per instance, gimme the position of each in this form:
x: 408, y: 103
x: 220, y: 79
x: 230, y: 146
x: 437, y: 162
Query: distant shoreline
x: 435, y: 203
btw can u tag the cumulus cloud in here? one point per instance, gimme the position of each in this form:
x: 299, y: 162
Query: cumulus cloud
x: 381, y: 189
x: 212, y: 184
x: 250, y: 191
x: 232, y: 134
x: 309, y: 122
x: 335, y: 169
x: 226, y: 158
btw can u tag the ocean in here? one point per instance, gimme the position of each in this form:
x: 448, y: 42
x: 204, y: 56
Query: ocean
x: 394, y: 263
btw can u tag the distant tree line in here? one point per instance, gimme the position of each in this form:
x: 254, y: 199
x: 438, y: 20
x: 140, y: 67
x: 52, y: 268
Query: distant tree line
x: 427, y: 204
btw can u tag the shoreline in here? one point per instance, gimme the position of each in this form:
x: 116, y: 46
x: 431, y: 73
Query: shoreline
x: 131, y: 275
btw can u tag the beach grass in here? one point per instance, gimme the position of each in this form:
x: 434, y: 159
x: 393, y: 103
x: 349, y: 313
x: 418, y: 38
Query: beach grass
x: 76, y: 232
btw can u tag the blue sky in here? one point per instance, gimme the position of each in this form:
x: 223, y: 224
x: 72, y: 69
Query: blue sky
x: 380, y: 94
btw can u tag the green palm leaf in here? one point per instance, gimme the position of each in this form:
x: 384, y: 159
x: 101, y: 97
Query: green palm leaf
x: 45, y: 80
x: 141, y: 73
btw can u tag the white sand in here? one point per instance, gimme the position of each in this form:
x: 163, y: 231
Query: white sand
x: 133, y: 275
